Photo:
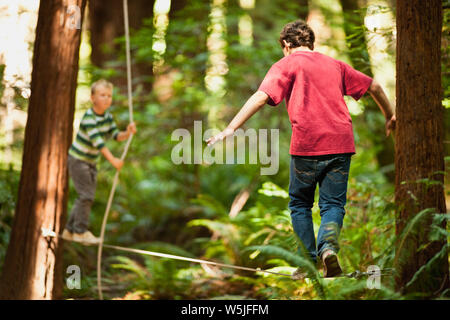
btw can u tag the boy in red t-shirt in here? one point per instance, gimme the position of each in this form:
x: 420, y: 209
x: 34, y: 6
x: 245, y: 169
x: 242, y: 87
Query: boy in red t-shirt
x: 322, y: 142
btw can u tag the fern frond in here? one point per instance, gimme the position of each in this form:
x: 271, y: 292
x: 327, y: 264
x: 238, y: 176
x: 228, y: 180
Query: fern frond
x: 410, y: 230
x: 430, y: 265
x: 226, y: 230
x: 130, y: 265
x: 270, y: 189
x: 211, y: 203
x: 287, y: 256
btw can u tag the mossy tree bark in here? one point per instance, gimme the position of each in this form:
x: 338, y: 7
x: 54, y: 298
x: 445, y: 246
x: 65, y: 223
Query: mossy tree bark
x: 419, y: 149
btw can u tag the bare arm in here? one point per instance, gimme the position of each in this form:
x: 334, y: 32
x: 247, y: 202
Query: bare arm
x: 117, y: 163
x: 253, y: 104
x: 377, y: 93
x: 124, y: 135
x: 380, y: 98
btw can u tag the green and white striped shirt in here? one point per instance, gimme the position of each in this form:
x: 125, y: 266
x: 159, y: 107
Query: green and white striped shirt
x: 94, y: 130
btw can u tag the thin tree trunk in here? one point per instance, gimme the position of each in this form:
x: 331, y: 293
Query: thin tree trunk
x: 359, y: 56
x: 175, y: 7
x: 264, y: 22
x: 419, y: 141
x: 106, y: 25
x: 33, y: 264
x: 303, y: 9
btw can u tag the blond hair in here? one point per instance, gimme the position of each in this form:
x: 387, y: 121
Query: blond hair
x: 101, y: 83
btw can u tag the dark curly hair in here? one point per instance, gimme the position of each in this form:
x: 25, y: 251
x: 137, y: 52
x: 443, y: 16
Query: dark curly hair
x: 298, y: 34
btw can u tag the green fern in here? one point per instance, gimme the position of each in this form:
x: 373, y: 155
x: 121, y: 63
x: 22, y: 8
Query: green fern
x: 296, y: 260
x: 410, y: 230
x: 437, y: 233
x: 224, y: 229
x: 270, y: 189
x: 430, y: 267
x: 130, y: 265
x: 211, y: 203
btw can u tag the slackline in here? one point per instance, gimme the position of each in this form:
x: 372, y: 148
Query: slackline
x: 356, y: 274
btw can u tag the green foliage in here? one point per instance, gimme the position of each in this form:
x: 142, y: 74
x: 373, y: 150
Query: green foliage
x: 184, y: 209
x: 157, y: 278
x: 262, y: 236
x: 429, y: 272
x: 412, y: 229
x: 9, y: 182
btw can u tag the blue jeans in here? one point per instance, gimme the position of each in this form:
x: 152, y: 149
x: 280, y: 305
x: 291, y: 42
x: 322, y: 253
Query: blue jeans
x: 331, y: 172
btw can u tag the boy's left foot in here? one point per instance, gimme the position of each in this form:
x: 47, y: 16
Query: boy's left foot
x: 331, y: 267
x: 67, y: 235
x: 86, y: 238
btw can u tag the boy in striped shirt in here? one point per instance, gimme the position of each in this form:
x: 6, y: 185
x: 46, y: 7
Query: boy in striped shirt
x: 97, y: 125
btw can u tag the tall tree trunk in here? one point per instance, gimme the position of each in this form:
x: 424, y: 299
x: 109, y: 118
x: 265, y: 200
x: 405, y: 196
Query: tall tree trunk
x: 303, y: 8
x: 175, y: 7
x: 359, y: 56
x: 106, y: 24
x: 419, y: 146
x: 33, y: 264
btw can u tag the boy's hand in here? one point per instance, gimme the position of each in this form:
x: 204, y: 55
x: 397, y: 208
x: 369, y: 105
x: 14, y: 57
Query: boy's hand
x: 117, y: 163
x: 390, y: 125
x: 131, y: 128
x: 220, y: 136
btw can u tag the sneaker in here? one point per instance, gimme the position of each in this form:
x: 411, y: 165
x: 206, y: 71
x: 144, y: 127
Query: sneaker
x: 67, y: 235
x: 86, y: 238
x: 299, y: 274
x: 331, y: 267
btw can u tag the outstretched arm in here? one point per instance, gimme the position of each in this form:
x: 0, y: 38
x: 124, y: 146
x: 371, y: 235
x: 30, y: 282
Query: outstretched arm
x: 378, y: 95
x: 253, y: 104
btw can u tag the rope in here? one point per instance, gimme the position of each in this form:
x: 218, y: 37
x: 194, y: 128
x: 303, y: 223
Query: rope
x: 359, y: 274
x: 356, y: 274
x: 171, y: 256
x: 50, y: 233
x: 116, y: 177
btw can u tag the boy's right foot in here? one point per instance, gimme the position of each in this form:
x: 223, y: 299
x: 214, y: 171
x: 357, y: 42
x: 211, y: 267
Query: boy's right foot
x: 86, y: 238
x: 331, y: 267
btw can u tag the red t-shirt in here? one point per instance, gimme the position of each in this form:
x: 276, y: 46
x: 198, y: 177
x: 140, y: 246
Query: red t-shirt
x: 313, y: 85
